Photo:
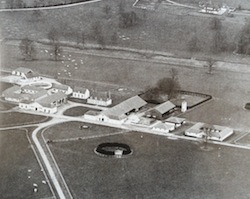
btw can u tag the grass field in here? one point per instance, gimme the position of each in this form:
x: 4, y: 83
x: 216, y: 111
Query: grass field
x: 158, y: 168
x: 15, y: 119
x: 76, y: 111
x: 19, y: 168
x: 72, y: 130
x: 166, y: 29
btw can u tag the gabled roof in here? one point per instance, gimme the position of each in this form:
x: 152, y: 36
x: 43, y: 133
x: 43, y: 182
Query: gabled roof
x: 163, y: 126
x: 125, y: 107
x: 12, y: 91
x: 100, y: 95
x: 175, y: 120
x: 80, y: 89
x: 60, y: 86
x: 33, y: 88
x: 23, y: 70
x: 47, y: 100
x: 164, y: 107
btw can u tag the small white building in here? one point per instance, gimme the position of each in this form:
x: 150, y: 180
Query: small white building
x: 163, y: 128
x: 34, y: 106
x: 213, y: 132
x: 176, y: 121
x: 26, y: 73
x: 80, y: 93
x: 45, y: 104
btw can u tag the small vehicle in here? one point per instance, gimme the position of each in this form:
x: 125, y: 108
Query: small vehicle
x: 247, y: 106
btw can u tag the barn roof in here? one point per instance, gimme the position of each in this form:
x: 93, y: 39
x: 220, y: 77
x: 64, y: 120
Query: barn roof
x: 23, y: 70
x: 47, y: 100
x: 164, y: 107
x: 176, y: 120
x: 125, y: 107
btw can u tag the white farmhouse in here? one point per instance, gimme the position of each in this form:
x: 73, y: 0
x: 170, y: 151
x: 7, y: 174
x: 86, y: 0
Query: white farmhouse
x: 26, y: 73
x: 80, y: 93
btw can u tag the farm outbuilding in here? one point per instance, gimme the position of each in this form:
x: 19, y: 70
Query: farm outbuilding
x: 161, y: 110
x: 213, y: 132
x: 120, y: 111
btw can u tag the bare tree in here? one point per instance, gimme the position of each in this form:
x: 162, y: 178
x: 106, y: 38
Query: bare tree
x: 168, y: 86
x: 53, y: 35
x: 57, y: 51
x: 107, y: 11
x: 218, y: 43
x: 210, y: 64
x: 193, y: 45
x: 114, y: 38
x: 215, y: 24
x: 97, y: 34
x: 27, y: 49
x: 128, y: 19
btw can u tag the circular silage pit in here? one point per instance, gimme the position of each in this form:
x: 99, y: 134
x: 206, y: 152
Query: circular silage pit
x: 113, y: 149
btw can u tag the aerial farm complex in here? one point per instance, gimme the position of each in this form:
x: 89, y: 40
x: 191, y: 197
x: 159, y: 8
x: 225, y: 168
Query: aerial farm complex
x: 132, y: 99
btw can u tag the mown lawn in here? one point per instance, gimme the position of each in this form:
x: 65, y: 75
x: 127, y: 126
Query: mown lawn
x: 15, y: 119
x: 158, y: 168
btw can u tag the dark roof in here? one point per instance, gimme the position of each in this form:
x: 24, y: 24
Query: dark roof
x: 47, y: 100
x: 23, y: 70
x: 79, y: 89
x: 60, y: 86
x: 175, y: 120
x: 100, y: 95
x: 164, y: 107
x: 124, y: 107
x: 33, y: 88
x: 14, y: 90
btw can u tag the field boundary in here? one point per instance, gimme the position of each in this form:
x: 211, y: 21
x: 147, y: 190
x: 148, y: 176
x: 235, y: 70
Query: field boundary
x: 48, y: 7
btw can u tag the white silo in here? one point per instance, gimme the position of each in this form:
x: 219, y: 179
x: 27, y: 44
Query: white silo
x: 184, y: 106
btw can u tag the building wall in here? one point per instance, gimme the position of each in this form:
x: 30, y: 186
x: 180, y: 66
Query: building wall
x: 36, y: 107
x: 80, y: 95
x: 99, y: 102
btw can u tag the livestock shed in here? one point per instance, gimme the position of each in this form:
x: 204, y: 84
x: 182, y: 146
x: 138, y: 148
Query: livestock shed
x: 120, y: 111
x: 161, y: 110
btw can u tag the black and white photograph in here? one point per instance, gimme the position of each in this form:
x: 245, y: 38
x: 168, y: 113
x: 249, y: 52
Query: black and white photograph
x: 124, y: 99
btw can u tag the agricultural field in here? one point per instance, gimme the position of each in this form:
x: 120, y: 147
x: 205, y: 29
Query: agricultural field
x: 158, y: 168
x: 14, y: 119
x: 166, y: 29
x: 74, y: 130
x: 19, y: 168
